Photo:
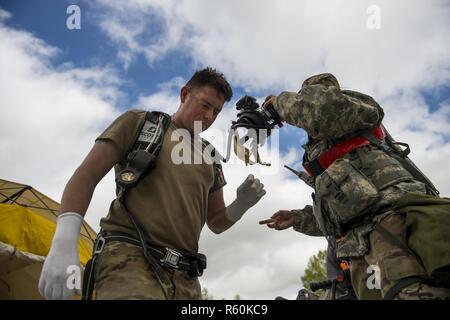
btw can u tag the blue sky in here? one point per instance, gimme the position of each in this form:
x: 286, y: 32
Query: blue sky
x: 60, y: 88
x: 91, y: 47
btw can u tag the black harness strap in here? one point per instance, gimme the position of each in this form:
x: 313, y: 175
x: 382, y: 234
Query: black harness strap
x: 138, y: 164
x: 393, y: 239
x: 163, y: 279
x: 403, y: 283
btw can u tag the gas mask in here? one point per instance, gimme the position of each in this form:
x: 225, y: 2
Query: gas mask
x: 251, y: 129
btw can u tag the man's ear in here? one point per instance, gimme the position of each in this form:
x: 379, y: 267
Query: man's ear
x: 184, y: 92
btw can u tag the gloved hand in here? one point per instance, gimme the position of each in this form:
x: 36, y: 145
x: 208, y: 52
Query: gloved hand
x: 63, y: 253
x: 247, y: 195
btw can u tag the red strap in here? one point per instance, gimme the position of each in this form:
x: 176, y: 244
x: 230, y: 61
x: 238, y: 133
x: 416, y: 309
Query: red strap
x: 339, y: 150
x: 378, y: 132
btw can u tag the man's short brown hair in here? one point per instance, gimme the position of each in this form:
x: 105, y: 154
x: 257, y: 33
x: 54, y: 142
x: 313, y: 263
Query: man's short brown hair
x: 211, y: 77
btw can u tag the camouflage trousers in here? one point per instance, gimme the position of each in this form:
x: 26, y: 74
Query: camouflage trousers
x: 391, y: 263
x: 123, y: 273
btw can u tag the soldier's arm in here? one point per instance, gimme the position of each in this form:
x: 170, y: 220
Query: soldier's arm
x: 110, y: 147
x: 79, y: 189
x: 75, y: 201
x: 216, y: 219
x: 325, y: 112
x: 220, y: 218
x: 305, y: 222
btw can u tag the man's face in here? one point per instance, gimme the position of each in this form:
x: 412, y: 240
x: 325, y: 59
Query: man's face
x: 200, y: 104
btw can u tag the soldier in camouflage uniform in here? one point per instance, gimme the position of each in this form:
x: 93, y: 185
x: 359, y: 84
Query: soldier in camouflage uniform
x: 169, y: 205
x: 380, y: 214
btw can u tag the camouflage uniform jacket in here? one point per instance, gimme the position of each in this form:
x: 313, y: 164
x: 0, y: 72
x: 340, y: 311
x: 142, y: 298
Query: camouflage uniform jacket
x: 361, y: 185
x: 305, y: 222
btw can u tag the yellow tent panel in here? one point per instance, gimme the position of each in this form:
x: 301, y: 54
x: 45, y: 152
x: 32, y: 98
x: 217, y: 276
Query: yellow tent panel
x: 28, y: 232
x: 27, y: 226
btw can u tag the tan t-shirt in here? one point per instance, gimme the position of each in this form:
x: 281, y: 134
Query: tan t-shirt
x: 171, y: 202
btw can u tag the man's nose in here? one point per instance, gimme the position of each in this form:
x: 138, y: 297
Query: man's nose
x: 208, y: 115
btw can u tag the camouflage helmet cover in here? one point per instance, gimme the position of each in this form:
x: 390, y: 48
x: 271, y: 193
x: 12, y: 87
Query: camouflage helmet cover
x: 326, y: 79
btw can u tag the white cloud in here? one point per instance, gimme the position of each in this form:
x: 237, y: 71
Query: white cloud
x: 166, y: 99
x: 127, y: 24
x: 50, y: 116
x: 250, y: 259
x: 4, y: 15
x: 278, y: 44
x: 275, y: 260
x: 274, y: 46
x: 409, y: 119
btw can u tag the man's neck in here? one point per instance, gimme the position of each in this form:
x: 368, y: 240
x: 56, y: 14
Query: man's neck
x: 177, y: 123
x: 175, y: 120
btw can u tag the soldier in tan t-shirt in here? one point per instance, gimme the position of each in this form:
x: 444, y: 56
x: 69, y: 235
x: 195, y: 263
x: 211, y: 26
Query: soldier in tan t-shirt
x: 171, y: 204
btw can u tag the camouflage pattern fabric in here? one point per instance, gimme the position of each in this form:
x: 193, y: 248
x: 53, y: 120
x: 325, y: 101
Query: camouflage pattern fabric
x: 305, y: 222
x: 123, y: 273
x: 421, y: 291
x: 340, y: 294
x: 394, y: 263
x: 363, y: 182
x: 358, y: 191
x: 428, y: 231
x: 325, y: 79
x: 326, y: 112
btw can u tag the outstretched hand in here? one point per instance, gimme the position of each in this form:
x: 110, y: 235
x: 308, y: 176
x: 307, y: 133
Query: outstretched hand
x: 280, y: 220
x: 269, y: 100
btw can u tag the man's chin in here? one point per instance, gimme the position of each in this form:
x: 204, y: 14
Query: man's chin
x: 205, y: 126
x: 192, y: 131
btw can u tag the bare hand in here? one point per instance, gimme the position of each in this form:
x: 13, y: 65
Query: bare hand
x: 280, y: 220
x: 270, y: 100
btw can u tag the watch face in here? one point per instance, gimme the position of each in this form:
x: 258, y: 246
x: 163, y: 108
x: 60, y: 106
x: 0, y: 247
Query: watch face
x: 127, y: 176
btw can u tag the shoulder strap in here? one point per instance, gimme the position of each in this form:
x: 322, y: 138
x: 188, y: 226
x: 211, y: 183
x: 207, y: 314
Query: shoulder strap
x: 142, y: 158
x: 139, y: 162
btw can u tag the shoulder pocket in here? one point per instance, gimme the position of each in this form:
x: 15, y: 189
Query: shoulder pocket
x: 347, y: 190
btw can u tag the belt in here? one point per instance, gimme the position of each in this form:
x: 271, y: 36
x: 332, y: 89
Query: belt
x: 193, y: 264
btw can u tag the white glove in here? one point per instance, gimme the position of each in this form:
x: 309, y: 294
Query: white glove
x: 248, y: 194
x: 63, y: 253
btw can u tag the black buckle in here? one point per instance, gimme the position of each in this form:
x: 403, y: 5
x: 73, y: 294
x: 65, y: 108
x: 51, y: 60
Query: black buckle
x: 171, y: 258
x: 314, y: 167
x: 197, y: 265
x: 99, y: 245
x: 140, y: 162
